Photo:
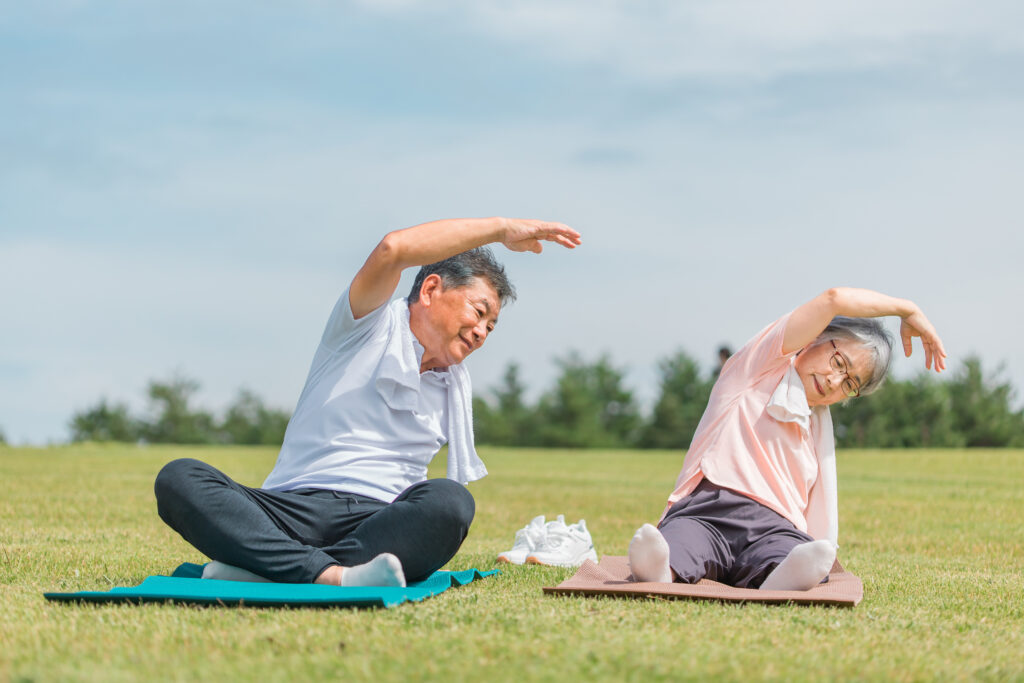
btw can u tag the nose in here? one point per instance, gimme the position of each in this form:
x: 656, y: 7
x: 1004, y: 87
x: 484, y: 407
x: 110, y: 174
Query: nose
x: 480, y: 333
x: 833, y: 373
x: 834, y: 378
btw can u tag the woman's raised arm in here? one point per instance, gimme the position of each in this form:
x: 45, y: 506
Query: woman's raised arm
x: 810, y: 320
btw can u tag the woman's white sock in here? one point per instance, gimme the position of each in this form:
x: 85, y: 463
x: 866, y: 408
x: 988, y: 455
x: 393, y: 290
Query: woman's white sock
x: 804, y: 567
x: 383, y: 570
x: 648, y: 556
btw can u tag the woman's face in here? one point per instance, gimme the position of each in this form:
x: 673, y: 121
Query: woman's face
x: 822, y: 382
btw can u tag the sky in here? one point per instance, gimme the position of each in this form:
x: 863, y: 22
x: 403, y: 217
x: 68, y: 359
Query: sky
x: 186, y: 188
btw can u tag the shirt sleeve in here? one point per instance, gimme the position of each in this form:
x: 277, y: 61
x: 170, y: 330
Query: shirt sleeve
x: 342, y: 328
x: 760, y: 355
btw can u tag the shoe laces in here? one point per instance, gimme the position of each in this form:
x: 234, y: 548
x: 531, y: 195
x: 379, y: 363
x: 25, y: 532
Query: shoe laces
x: 528, y: 537
x: 531, y: 535
x: 559, y: 532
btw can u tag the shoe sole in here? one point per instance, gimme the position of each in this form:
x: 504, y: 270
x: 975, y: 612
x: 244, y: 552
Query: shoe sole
x: 589, y: 555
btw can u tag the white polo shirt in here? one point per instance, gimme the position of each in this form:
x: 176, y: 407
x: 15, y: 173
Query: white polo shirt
x: 367, y: 421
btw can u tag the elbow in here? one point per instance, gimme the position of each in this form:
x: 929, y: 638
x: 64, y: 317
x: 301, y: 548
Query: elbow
x: 831, y: 302
x: 834, y: 298
x: 389, y: 250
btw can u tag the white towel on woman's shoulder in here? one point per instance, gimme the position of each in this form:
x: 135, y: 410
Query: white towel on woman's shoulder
x: 789, y: 404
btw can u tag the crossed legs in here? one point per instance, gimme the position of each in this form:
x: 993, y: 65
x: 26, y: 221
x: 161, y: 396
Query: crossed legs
x: 305, y: 535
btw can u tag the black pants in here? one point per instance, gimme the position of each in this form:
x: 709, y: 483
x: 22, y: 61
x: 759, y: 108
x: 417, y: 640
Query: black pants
x: 293, y: 536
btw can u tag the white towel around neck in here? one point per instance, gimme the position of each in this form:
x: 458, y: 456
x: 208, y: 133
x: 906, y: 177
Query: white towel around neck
x: 398, y: 383
x: 788, y: 403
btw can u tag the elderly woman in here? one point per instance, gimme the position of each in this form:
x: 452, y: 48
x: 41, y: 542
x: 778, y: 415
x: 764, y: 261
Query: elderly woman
x: 755, y: 503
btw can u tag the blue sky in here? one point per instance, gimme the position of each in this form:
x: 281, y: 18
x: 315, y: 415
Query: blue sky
x: 188, y: 188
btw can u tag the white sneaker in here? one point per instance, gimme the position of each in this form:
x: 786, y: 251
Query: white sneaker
x: 564, y: 546
x: 528, y: 539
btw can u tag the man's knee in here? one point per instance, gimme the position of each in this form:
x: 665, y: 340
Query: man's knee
x: 448, y: 500
x: 173, y: 474
x: 175, y: 479
x: 463, y: 505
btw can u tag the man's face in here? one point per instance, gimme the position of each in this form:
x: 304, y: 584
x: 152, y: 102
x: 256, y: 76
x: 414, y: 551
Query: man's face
x: 456, y: 320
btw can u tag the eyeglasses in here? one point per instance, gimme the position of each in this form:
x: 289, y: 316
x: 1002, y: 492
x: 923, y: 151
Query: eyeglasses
x: 839, y: 364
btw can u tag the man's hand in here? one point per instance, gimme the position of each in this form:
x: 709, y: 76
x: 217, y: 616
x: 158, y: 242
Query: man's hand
x: 527, y: 234
x: 431, y: 242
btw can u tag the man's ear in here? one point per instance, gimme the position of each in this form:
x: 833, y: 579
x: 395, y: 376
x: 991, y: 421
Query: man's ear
x: 431, y: 287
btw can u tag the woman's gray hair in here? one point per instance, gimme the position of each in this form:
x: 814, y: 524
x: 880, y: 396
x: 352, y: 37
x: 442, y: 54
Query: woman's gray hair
x: 868, y: 333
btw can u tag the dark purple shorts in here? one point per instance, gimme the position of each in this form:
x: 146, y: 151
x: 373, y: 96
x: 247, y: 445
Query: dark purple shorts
x: 718, y: 534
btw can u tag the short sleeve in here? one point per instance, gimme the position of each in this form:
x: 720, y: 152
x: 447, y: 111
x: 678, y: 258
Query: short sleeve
x: 342, y: 327
x: 760, y: 355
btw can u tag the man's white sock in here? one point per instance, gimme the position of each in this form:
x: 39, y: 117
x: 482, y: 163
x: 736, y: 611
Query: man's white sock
x: 229, y: 572
x: 648, y: 556
x: 383, y: 570
x: 804, y: 567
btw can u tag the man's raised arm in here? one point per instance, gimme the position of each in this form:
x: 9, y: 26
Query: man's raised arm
x: 430, y: 242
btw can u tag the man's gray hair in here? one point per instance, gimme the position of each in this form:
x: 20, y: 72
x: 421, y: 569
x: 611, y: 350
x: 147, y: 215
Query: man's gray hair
x: 868, y: 333
x: 459, y: 271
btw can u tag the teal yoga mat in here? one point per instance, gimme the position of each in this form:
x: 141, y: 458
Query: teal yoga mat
x: 186, y: 586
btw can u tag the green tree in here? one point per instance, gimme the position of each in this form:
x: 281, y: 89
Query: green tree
x: 588, y: 407
x: 485, y: 429
x: 970, y: 409
x: 902, y: 414
x: 681, y: 403
x: 982, y: 407
x: 105, y: 422
x: 173, y: 420
x: 510, y: 422
x: 249, y: 421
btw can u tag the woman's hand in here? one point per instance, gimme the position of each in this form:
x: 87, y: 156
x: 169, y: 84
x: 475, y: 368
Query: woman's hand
x: 527, y: 235
x: 917, y: 325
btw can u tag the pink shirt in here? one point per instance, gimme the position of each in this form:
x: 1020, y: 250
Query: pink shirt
x: 739, y: 446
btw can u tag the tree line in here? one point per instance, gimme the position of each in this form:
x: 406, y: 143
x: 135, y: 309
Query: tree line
x: 172, y: 418
x: 590, y: 406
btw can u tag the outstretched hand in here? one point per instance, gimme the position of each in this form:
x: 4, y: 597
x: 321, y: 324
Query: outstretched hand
x: 527, y: 235
x: 917, y: 325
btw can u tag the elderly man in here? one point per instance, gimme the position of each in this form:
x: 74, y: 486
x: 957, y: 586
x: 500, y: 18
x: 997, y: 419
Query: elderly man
x: 348, y: 502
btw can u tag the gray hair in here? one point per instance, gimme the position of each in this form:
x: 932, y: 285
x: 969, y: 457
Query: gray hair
x: 459, y: 271
x: 868, y: 333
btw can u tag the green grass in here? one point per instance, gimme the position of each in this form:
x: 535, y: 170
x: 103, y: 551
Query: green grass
x: 936, y: 536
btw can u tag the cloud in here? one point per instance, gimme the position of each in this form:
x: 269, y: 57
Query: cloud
x: 747, y: 39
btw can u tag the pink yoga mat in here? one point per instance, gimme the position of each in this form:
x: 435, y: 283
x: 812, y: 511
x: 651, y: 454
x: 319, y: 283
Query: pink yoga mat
x: 612, y: 578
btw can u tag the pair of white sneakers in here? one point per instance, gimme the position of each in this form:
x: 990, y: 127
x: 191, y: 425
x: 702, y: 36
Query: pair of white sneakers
x: 556, y: 544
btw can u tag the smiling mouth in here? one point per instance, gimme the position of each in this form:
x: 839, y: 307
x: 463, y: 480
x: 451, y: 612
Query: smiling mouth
x: 817, y: 385
x: 468, y: 345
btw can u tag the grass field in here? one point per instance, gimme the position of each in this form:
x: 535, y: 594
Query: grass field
x: 936, y: 536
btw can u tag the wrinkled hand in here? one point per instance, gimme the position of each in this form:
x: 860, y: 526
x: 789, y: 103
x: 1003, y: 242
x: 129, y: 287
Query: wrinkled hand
x: 527, y: 235
x: 917, y: 325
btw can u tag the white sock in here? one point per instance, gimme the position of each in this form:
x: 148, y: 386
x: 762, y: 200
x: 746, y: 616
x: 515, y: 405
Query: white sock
x: 383, y: 570
x: 648, y: 556
x: 804, y: 567
x: 226, y: 572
